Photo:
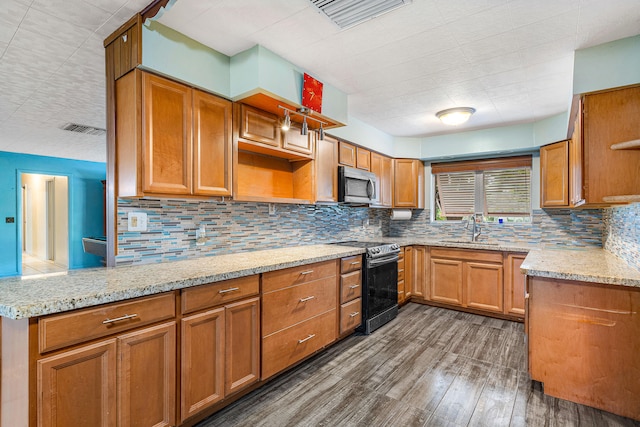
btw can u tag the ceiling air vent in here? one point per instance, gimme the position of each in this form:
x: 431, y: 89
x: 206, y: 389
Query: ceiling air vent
x: 88, y: 130
x: 348, y: 13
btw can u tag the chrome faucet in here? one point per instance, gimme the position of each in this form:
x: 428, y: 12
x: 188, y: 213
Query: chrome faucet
x: 476, y: 229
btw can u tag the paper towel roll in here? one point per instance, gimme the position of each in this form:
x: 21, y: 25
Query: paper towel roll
x: 400, y: 214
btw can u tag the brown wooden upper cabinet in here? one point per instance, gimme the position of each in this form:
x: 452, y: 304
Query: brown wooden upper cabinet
x: 347, y: 154
x: 554, y: 175
x: 327, y: 169
x: 586, y: 170
x: 382, y: 166
x: 171, y: 139
x: 363, y: 158
x: 260, y: 132
x: 408, y: 185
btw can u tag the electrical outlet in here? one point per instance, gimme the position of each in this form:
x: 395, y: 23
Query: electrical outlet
x: 137, y: 221
x: 9, y: 220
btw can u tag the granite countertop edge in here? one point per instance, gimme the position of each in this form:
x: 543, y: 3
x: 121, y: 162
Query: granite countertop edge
x: 591, y: 265
x: 35, y: 301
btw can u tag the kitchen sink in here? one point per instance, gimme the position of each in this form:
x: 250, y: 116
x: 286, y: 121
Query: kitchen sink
x: 469, y: 242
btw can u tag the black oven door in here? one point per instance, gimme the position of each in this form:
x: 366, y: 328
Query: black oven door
x: 382, y: 285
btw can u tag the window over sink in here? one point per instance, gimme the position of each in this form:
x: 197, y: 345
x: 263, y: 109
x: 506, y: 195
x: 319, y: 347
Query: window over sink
x: 499, y: 189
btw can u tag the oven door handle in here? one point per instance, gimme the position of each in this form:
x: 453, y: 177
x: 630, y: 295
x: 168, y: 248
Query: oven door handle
x: 382, y: 261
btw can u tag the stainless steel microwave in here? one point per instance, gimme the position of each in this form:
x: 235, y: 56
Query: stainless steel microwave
x: 356, y: 186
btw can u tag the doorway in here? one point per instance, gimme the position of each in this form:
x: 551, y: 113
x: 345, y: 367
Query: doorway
x: 45, y: 224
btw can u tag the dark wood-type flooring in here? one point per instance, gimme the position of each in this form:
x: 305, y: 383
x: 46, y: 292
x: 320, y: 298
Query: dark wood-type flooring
x: 429, y: 367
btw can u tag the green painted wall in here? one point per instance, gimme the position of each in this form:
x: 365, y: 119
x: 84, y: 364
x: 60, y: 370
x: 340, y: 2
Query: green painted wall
x: 176, y: 55
x: 607, y: 65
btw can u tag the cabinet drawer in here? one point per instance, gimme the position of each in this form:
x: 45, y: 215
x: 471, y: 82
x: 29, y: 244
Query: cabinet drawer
x: 351, y: 263
x: 467, y: 254
x: 401, y: 264
x: 281, y: 279
x: 400, y: 275
x: 213, y: 294
x: 62, y: 330
x: 350, y: 286
x: 350, y: 315
x: 284, y: 348
x: 292, y: 305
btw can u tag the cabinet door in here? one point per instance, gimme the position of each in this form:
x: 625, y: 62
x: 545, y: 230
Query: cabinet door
x: 446, y: 281
x: 401, y: 274
x: 78, y: 387
x: 386, y: 185
x: 327, y: 170
x: 514, y: 285
x: 166, y: 136
x: 347, y: 155
x: 202, y: 362
x: 293, y: 141
x: 408, y: 184
x: 211, y: 145
x: 363, y: 158
x: 611, y: 117
x: 147, y: 377
x: 242, y: 344
x: 554, y: 175
x: 259, y: 126
x: 576, y: 164
x: 483, y: 286
x: 382, y: 166
x: 419, y: 279
x: 408, y: 271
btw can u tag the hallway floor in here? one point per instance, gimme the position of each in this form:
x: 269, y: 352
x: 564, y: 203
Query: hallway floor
x: 429, y: 367
x: 32, y: 265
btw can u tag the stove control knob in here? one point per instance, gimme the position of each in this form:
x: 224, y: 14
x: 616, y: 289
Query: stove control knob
x: 395, y: 246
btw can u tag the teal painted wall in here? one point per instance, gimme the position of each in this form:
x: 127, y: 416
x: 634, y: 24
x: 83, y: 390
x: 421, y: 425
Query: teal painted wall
x: 366, y: 135
x: 175, y: 55
x: 607, y: 65
x: 258, y: 68
x: 85, y: 205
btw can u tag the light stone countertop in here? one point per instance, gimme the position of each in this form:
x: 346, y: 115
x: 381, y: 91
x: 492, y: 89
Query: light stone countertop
x: 580, y: 264
x: 25, y: 298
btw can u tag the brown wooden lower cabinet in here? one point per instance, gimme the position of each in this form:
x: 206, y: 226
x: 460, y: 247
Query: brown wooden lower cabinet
x: 419, y: 269
x: 514, y: 285
x: 134, y: 373
x: 147, y: 377
x: 584, y: 343
x: 78, y: 387
x: 475, y: 280
x: 220, y: 354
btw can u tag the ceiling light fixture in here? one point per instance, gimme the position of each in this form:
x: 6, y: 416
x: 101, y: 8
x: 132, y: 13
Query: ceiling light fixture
x: 306, y: 114
x: 455, y: 116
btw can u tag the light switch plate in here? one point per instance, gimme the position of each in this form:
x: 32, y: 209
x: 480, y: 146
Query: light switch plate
x: 137, y: 221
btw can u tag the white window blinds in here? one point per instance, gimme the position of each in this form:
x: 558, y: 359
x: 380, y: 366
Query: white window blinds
x: 456, y: 193
x: 507, y: 192
x: 495, y: 187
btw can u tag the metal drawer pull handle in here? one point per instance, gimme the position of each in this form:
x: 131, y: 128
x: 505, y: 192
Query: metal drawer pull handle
x: 307, y: 272
x: 354, y: 314
x: 354, y: 286
x: 355, y: 263
x: 306, y: 339
x: 307, y: 298
x: 125, y: 317
x: 224, y: 291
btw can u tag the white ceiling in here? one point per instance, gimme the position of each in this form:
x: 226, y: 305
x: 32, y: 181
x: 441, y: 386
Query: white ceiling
x: 512, y: 60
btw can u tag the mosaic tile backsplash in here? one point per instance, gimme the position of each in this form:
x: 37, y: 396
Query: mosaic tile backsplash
x: 236, y: 226
x: 622, y: 233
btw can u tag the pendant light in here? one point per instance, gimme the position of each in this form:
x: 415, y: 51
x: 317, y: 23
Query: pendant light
x: 321, y: 133
x: 305, y: 128
x: 286, y: 124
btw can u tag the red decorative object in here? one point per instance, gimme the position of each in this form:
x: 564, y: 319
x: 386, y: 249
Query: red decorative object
x: 312, y: 93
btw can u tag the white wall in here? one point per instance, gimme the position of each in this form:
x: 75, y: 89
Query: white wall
x: 37, y: 216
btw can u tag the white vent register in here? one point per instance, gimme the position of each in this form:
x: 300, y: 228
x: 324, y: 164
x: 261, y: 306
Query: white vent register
x: 348, y: 13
